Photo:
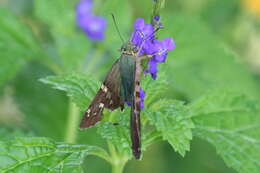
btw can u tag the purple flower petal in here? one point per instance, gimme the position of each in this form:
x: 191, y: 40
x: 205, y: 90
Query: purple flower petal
x: 152, y: 68
x: 139, y: 24
x: 93, y: 26
x: 142, y: 96
x: 169, y: 44
x: 161, y: 57
x: 142, y: 35
x: 84, y: 8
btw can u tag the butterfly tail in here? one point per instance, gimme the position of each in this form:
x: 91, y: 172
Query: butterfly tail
x: 135, y: 124
x: 135, y: 121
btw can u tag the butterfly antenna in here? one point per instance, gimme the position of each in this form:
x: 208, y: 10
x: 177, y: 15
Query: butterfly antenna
x: 114, y: 20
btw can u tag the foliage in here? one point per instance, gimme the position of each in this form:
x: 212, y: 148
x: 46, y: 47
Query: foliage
x: 230, y: 122
x: 201, y: 91
x: 41, y: 155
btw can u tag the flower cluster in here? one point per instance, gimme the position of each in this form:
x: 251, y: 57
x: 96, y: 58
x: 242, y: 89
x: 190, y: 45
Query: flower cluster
x: 93, y: 26
x: 144, y: 38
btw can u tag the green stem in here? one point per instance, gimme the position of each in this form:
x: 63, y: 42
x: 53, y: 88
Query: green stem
x: 159, y: 4
x: 72, y: 123
x: 118, y: 168
x: 117, y: 161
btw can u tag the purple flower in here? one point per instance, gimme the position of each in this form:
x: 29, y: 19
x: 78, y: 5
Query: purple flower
x: 142, y: 36
x: 152, y: 68
x: 93, y: 26
x: 163, y: 47
x: 160, y: 56
x: 84, y: 8
x: 144, y: 39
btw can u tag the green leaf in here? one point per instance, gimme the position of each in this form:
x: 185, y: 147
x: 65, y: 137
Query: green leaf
x: 173, y: 120
x: 43, y: 155
x: 155, y: 89
x: 59, y: 15
x: 230, y: 122
x: 17, y: 45
x: 80, y: 88
x: 118, y: 135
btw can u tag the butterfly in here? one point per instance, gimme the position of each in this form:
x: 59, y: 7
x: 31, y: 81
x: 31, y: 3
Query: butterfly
x: 121, y: 85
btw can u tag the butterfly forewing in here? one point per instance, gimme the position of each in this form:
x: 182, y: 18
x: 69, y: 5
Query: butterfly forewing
x: 108, y: 96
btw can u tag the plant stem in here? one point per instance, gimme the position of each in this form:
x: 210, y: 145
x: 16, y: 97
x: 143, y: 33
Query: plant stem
x: 118, y: 168
x: 118, y: 161
x: 72, y: 123
x: 159, y: 4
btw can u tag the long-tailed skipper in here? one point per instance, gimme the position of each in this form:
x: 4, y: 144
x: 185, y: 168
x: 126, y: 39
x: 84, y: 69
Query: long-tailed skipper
x: 122, y: 83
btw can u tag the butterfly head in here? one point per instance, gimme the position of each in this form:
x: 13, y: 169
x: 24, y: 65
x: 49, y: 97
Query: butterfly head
x: 129, y: 48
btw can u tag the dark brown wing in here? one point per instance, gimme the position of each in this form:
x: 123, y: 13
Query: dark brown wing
x: 135, y: 121
x: 108, y: 96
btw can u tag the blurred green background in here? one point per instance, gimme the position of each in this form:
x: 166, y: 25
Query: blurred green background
x: 218, y: 45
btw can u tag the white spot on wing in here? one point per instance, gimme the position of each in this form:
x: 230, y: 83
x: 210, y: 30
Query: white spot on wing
x: 104, y: 88
x: 101, y: 105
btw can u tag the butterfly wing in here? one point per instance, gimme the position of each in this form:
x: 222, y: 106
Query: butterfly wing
x: 135, y: 121
x: 130, y: 70
x: 108, y: 96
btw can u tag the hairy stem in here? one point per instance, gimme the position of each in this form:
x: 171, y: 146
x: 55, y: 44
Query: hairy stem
x: 72, y: 123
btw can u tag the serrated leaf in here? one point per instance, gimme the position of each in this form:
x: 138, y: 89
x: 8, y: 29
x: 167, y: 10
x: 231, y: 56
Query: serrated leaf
x: 118, y: 135
x: 172, y: 119
x: 17, y: 45
x: 155, y: 89
x: 230, y: 122
x: 43, y: 155
x: 80, y: 88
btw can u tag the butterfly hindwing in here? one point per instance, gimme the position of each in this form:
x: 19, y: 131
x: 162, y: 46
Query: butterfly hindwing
x: 108, y: 96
